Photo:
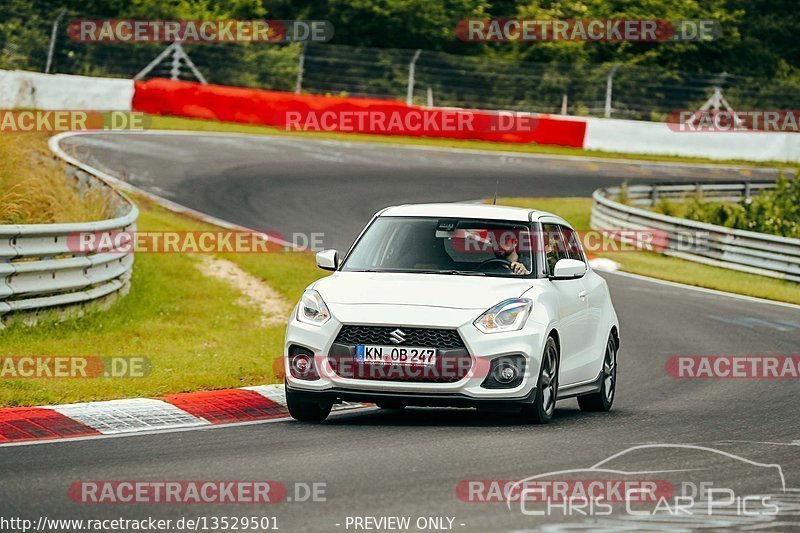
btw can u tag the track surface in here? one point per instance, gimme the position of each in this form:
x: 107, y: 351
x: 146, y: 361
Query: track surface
x: 295, y: 185
x: 409, y: 463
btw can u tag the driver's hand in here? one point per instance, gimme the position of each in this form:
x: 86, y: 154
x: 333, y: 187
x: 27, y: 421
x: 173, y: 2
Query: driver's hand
x: 519, y: 269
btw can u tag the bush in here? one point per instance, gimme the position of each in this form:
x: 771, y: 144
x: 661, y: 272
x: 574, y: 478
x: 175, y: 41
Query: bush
x: 776, y: 211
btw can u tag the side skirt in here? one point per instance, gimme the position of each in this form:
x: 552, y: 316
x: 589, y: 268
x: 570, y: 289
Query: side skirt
x: 579, y: 389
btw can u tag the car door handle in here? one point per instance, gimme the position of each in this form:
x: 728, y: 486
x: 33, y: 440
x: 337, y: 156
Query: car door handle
x: 582, y: 295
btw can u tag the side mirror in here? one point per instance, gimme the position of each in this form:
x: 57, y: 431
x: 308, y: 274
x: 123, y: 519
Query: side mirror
x: 328, y: 259
x: 568, y: 269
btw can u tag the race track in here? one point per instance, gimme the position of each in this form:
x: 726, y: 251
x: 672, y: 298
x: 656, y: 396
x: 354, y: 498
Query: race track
x: 409, y: 463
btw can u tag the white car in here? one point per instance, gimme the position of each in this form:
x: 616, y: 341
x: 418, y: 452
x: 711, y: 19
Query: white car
x: 460, y: 305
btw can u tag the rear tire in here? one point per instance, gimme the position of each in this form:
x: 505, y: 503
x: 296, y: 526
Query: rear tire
x: 603, y: 399
x: 544, y: 404
x: 306, y: 411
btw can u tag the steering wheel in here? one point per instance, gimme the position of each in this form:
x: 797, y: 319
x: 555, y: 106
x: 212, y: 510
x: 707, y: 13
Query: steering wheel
x: 503, y: 262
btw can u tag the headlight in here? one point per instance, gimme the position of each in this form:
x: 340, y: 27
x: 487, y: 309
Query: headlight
x: 312, y: 309
x: 505, y: 316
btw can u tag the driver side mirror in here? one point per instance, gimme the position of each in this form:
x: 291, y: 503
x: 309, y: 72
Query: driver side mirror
x: 568, y: 269
x: 328, y: 259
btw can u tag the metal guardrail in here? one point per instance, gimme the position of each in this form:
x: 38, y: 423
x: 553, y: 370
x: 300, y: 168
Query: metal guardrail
x: 41, y: 266
x: 746, y: 251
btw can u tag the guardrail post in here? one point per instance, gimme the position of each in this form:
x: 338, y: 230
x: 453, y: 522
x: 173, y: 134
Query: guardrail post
x: 747, y: 191
x: 654, y: 195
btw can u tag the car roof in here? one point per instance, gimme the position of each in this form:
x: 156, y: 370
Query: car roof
x: 467, y: 210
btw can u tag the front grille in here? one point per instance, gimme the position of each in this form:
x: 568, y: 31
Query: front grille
x: 424, y: 337
x: 452, y: 363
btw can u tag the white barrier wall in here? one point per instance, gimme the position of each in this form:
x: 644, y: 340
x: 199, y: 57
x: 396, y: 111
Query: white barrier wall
x: 33, y: 90
x: 631, y: 136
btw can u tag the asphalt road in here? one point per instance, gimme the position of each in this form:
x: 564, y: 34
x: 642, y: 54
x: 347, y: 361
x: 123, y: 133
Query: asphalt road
x: 293, y: 185
x: 409, y: 463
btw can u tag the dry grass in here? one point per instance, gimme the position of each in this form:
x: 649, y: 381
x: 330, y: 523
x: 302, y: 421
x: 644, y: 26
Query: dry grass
x: 34, y: 188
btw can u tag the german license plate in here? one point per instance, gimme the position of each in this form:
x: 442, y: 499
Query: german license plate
x: 395, y: 355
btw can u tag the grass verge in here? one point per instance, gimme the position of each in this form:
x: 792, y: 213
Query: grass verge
x: 577, y: 212
x: 157, y: 122
x: 193, y: 328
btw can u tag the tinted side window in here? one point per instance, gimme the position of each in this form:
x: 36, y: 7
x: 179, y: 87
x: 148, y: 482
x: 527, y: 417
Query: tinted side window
x: 555, y: 246
x: 572, y: 243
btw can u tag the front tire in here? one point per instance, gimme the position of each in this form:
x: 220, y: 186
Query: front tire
x: 603, y: 399
x: 306, y: 411
x: 544, y: 404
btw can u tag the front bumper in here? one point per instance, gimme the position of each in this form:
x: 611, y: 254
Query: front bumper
x: 337, y: 395
x: 468, y: 391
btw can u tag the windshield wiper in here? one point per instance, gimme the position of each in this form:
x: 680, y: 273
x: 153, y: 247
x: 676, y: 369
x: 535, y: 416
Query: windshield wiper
x: 454, y: 272
x: 429, y: 271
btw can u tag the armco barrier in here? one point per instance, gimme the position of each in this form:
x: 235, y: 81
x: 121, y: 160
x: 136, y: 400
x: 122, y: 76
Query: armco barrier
x: 40, y: 269
x: 746, y: 251
x: 270, y: 108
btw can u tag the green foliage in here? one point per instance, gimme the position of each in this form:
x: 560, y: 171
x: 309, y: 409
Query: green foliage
x: 665, y: 206
x: 757, y: 51
x: 776, y: 212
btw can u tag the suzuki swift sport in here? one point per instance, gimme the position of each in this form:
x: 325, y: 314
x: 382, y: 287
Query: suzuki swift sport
x: 457, y: 305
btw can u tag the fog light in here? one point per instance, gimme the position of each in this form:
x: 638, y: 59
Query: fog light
x: 505, y: 373
x: 301, y: 363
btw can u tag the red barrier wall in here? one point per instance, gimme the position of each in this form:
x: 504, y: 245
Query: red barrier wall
x: 362, y: 115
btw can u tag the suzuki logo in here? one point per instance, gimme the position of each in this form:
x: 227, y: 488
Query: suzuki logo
x: 397, y: 336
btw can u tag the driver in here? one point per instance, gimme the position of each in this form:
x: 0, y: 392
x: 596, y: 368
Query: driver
x: 507, y: 249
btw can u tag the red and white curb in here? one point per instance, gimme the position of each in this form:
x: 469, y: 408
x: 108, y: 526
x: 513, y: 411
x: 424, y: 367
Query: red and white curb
x: 188, y: 410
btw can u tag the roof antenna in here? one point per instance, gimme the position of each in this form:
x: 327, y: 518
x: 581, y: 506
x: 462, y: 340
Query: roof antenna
x: 496, y: 185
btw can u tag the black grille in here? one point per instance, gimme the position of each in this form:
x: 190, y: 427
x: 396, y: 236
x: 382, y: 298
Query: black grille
x: 425, y: 337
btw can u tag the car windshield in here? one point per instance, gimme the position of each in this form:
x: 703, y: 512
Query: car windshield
x: 443, y: 246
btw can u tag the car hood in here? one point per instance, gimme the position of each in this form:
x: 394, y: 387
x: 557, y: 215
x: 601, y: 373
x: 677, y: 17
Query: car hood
x: 432, y: 290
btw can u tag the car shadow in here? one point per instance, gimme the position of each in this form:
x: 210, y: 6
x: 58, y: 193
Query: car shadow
x: 452, y: 417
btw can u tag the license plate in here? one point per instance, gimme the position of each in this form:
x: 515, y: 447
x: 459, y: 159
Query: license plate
x: 396, y: 355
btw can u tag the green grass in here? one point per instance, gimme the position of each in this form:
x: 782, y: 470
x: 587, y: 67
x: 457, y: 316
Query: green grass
x: 577, y: 211
x: 157, y: 122
x: 191, y: 327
